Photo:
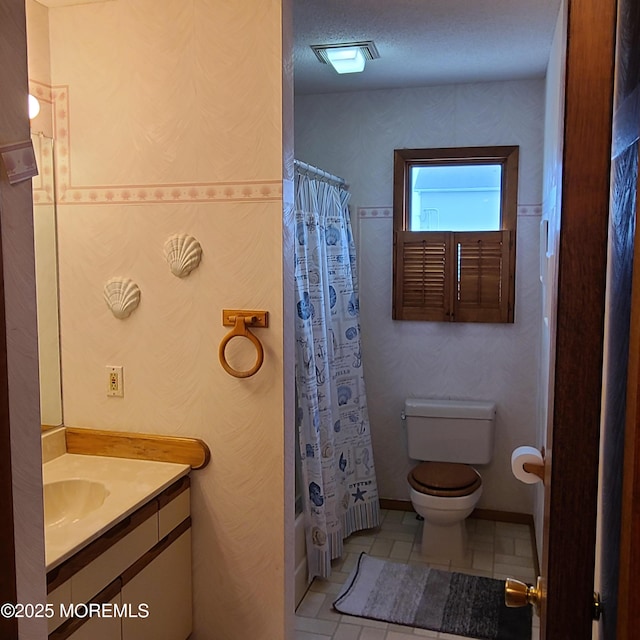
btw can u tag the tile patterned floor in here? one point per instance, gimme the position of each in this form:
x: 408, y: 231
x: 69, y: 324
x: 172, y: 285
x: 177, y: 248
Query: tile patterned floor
x: 496, y: 550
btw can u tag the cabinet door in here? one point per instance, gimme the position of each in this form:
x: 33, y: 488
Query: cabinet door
x: 109, y: 628
x: 164, y: 585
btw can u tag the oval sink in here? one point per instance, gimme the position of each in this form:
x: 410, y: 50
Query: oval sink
x: 70, y: 500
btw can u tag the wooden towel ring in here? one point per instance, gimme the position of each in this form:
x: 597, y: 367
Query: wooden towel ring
x: 240, y: 330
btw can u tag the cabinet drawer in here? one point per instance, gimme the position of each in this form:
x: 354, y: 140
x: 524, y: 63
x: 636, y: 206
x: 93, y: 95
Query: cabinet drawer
x: 100, y: 572
x: 175, y: 512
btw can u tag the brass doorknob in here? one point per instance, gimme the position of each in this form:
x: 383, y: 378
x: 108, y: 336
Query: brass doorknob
x: 519, y: 594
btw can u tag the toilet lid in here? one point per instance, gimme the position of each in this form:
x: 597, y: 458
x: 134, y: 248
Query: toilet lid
x: 448, y: 479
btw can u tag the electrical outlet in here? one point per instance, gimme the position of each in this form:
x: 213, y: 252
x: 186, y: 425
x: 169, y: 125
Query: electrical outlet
x: 115, y: 381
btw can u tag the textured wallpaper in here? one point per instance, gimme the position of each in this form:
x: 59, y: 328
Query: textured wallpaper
x: 168, y: 119
x: 354, y: 135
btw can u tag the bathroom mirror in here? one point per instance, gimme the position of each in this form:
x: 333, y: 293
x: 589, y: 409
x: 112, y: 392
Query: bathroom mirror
x: 44, y: 215
x: 46, y: 264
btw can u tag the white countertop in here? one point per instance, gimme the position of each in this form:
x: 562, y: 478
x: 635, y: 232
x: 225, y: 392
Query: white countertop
x: 130, y: 483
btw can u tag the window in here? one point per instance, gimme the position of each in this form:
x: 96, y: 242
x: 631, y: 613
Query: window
x: 454, y: 219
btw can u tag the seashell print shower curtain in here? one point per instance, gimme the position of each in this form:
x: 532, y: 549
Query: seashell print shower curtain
x: 339, y: 482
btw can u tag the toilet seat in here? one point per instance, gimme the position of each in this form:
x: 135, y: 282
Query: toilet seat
x: 444, y: 479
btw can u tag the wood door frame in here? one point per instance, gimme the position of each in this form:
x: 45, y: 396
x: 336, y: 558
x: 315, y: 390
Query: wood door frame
x: 573, y: 438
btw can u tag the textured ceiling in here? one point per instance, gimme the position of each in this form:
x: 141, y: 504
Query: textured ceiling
x: 424, y: 42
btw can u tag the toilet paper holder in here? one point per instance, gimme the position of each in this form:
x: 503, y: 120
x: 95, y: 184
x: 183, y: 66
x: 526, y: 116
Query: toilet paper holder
x: 535, y: 468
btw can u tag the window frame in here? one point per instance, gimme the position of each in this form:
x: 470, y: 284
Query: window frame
x: 450, y: 307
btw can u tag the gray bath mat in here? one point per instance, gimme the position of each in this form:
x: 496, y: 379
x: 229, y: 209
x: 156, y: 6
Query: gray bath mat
x: 417, y: 596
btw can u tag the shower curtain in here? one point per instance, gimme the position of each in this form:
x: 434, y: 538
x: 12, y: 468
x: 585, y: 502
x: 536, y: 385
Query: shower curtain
x: 338, y: 474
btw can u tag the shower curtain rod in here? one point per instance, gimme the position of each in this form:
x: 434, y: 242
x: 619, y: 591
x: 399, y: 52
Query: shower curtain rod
x: 309, y: 168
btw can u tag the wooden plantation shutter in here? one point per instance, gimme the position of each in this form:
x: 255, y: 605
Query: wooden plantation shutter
x: 482, y: 276
x: 423, y: 290
x: 453, y: 276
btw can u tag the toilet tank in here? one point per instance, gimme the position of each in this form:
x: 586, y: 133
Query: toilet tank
x: 450, y: 430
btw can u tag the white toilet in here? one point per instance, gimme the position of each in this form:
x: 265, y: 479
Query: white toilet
x: 448, y: 436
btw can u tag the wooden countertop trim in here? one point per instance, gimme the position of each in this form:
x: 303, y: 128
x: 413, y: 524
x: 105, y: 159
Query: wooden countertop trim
x: 140, y: 446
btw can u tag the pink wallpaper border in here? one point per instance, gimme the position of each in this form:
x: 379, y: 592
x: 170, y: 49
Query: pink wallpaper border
x: 66, y: 192
x: 383, y: 213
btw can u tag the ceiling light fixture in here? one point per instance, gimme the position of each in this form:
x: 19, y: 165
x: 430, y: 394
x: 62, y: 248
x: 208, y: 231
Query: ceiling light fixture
x: 346, y: 57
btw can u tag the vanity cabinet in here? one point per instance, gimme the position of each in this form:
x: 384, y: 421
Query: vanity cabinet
x: 137, y: 576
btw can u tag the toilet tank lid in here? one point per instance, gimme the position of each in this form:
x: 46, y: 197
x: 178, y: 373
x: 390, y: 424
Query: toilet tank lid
x: 434, y: 408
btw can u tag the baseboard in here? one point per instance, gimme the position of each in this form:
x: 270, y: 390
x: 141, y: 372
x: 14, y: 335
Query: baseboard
x: 396, y: 505
x: 513, y: 517
x: 503, y: 516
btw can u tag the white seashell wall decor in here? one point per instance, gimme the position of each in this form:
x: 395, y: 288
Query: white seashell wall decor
x: 183, y: 253
x: 122, y: 296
